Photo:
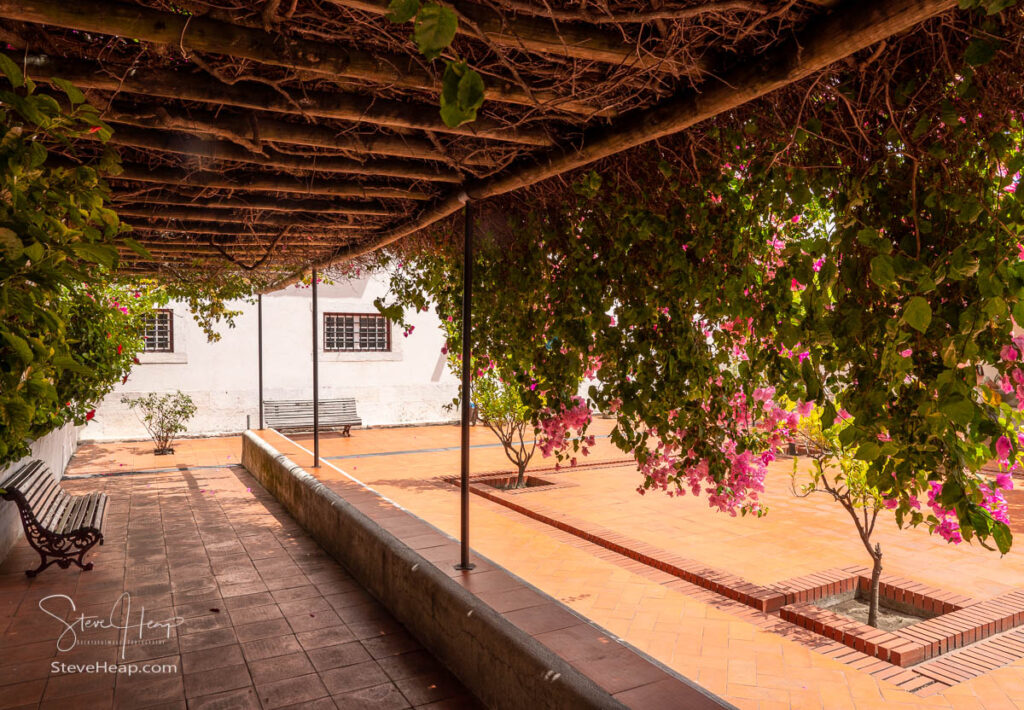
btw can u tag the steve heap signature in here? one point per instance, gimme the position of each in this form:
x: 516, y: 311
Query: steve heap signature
x: 62, y: 608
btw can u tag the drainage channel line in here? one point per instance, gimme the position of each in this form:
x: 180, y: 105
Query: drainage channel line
x: 175, y: 469
x: 421, y: 451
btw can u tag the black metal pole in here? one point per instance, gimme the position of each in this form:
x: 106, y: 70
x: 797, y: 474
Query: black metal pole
x: 259, y: 335
x: 467, y: 394
x: 316, y: 384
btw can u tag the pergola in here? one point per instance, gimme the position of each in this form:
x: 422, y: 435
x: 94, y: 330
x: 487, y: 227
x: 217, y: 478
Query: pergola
x: 283, y: 137
x: 277, y: 136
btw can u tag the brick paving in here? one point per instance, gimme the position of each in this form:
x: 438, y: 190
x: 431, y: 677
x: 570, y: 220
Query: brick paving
x: 268, y: 619
x: 752, y: 659
x: 746, y: 656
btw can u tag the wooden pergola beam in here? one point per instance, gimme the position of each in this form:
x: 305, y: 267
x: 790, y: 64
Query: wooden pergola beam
x: 239, y: 230
x: 257, y: 129
x: 853, y: 26
x: 263, y: 183
x: 183, y: 86
x: 208, y: 150
x: 198, y: 214
x: 185, y: 33
x: 250, y: 203
x: 531, y: 34
x: 183, y: 248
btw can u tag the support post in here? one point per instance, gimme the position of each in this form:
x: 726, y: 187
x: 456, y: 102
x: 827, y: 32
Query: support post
x: 259, y: 336
x: 467, y: 393
x: 316, y: 382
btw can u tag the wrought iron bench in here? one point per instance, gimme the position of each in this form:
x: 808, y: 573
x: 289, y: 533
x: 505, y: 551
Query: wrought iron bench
x: 57, y: 524
x: 296, y: 415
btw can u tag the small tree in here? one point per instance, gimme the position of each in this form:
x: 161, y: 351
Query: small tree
x: 501, y: 408
x: 164, y: 416
x: 836, y: 472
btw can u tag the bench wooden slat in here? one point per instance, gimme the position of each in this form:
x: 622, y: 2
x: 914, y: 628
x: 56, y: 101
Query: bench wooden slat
x: 48, y: 520
x: 57, y: 524
x: 38, y: 489
x: 14, y: 479
x: 52, y: 500
x: 297, y: 414
x: 74, y: 521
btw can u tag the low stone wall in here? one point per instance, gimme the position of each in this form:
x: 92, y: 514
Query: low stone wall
x: 56, y: 449
x: 497, y: 661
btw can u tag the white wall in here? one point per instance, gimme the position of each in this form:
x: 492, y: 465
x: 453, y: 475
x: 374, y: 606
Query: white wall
x: 56, y: 449
x: 409, y: 385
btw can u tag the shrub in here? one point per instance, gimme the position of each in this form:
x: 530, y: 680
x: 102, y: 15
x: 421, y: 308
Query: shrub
x: 164, y: 416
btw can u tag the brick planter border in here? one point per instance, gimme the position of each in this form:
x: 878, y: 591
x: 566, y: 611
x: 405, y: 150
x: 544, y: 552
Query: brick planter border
x: 959, y: 621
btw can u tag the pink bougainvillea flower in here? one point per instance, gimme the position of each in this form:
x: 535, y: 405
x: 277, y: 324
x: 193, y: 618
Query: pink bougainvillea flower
x: 1003, y: 448
x: 804, y: 409
x: 1004, y: 481
x: 884, y: 436
x: 891, y: 503
x: 818, y: 264
x: 843, y: 415
x: 796, y: 285
x: 1008, y: 353
x: 795, y: 219
x: 906, y: 353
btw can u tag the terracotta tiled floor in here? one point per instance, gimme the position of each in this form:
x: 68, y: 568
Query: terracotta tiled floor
x: 269, y: 621
x: 724, y: 649
x: 729, y: 654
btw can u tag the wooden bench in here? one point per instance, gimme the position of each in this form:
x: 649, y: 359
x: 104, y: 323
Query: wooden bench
x: 296, y: 415
x: 57, y: 524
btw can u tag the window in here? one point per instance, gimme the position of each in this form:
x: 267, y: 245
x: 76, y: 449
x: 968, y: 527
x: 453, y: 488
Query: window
x: 354, y: 332
x: 158, y: 332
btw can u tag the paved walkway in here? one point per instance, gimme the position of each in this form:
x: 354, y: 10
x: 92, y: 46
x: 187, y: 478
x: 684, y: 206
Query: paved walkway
x: 726, y: 647
x: 268, y: 619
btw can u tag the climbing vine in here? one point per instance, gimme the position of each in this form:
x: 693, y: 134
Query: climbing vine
x: 69, y: 324
x: 434, y: 28
x: 856, y: 253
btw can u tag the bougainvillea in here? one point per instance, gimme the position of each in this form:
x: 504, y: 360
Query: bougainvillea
x: 857, y: 250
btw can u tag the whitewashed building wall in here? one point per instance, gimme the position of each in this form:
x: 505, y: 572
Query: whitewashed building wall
x: 409, y: 385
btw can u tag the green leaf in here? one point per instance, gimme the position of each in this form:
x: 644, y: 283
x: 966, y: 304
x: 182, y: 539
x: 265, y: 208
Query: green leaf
x: 11, y: 71
x: 10, y: 243
x: 918, y: 314
x: 66, y: 362
x: 1018, y: 312
x: 462, y: 94
x: 74, y: 95
x: 434, y: 29
x: 882, y: 271
x: 20, y: 347
x: 869, y: 451
x: 136, y: 247
x: 35, y: 251
x: 1003, y: 537
x: 96, y: 253
x: 400, y: 11
x: 960, y: 410
x: 979, y: 52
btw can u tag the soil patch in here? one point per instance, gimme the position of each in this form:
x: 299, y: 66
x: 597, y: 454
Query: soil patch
x: 889, y: 619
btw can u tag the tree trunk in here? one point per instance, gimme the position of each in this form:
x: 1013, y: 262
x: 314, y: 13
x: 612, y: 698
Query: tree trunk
x: 876, y: 574
x: 521, y: 481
